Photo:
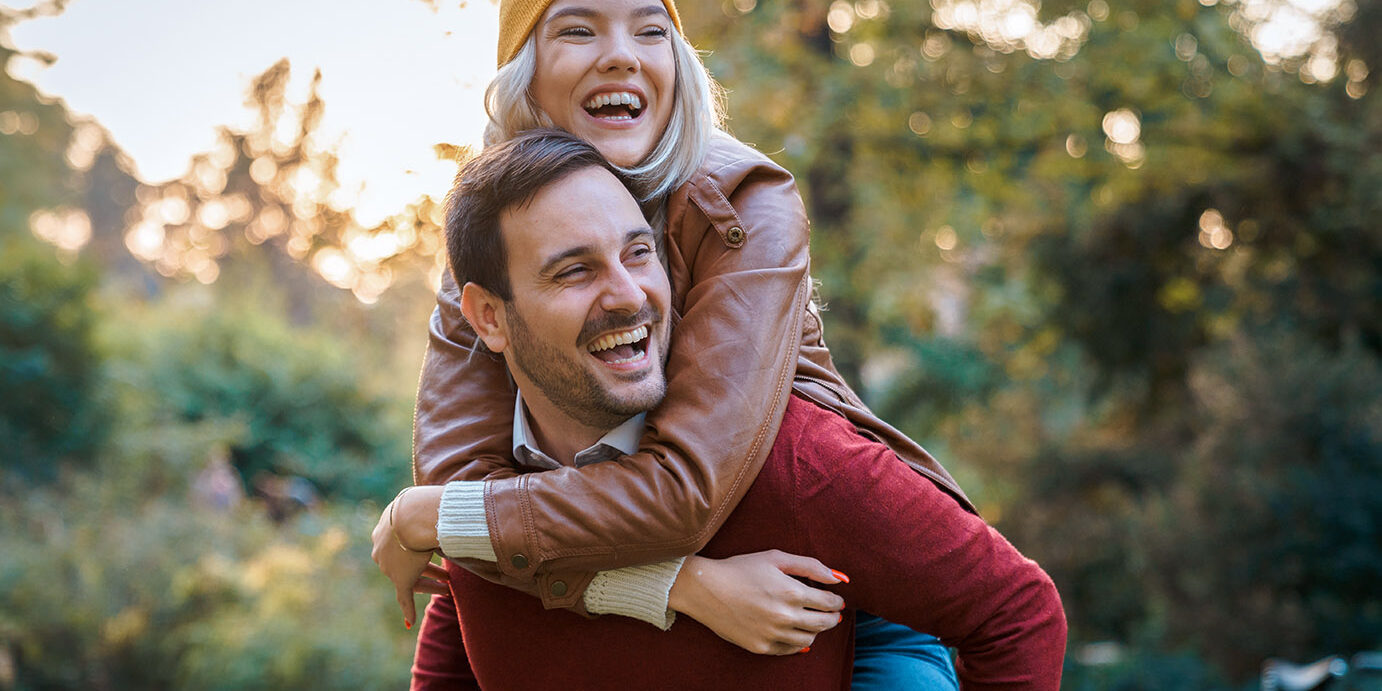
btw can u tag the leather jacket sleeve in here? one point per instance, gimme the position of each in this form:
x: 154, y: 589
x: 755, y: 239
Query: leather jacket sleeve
x: 738, y: 259
x: 463, y: 422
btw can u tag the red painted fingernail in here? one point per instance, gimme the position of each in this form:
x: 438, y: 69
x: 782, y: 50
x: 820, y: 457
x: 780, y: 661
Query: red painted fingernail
x: 839, y: 575
x: 407, y: 624
x: 807, y: 649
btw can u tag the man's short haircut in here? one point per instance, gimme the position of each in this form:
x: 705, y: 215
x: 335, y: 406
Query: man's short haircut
x: 505, y: 175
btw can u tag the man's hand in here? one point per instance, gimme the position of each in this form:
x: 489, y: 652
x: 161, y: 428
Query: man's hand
x: 754, y: 602
x: 404, y: 556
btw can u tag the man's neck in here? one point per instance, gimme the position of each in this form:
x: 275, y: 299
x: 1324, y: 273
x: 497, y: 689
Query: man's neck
x: 556, y: 433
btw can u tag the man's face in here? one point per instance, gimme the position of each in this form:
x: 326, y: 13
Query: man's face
x: 588, y: 323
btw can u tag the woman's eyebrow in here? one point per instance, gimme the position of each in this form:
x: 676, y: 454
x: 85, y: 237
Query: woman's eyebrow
x: 587, y: 13
x: 648, y: 10
x: 582, y: 12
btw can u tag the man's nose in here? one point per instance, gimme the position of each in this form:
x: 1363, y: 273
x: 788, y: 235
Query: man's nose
x: 618, y: 54
x: 622, y: 292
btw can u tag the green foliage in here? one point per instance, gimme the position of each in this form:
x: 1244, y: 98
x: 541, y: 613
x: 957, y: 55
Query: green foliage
x: 1144, y: 671
x: 50, y: 369
x: 939, y: 377
x: 1286, y: 466
x: 296, y: 394
x: 117, y: 578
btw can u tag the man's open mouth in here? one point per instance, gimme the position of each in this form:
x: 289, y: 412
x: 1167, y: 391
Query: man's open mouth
x: 621, y: 347
x: 614, y: 105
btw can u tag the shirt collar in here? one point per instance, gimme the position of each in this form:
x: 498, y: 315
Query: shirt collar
x: 620, y: 441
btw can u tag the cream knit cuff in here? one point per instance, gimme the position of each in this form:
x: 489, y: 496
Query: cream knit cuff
x: 462, y: 529
x: 639, y: 592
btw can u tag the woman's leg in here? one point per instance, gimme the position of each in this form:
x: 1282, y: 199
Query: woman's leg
x: 892, y: 656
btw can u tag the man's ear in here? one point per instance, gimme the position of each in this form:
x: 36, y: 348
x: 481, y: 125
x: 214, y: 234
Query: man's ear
x: 485, y: 312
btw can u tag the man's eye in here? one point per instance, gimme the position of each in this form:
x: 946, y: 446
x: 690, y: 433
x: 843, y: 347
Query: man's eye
x: 573, y: 273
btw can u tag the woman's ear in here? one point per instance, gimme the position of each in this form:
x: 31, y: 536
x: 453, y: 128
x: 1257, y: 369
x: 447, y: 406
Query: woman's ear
x: 485, y: 312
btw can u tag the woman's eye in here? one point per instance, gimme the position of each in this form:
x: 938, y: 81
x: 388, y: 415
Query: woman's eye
x: 655, y: 32
x: 576, y: 31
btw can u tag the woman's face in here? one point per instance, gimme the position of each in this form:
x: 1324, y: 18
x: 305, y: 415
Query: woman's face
x: 606, y: 74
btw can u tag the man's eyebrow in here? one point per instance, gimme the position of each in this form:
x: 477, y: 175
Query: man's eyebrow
x: 555, y: 260
x: 587, y: 13
x: 552, y: 262
x: 637, y: 234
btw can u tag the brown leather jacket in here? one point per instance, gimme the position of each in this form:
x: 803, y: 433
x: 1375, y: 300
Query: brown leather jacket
x: 738, y: 261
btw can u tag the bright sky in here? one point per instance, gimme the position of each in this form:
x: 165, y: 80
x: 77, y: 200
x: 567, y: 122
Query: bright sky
x: 161, y: 75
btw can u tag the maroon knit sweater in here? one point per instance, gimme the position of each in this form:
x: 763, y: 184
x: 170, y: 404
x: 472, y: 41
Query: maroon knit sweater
x: 914, y: 557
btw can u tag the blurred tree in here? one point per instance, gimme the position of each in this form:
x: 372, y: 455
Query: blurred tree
x: 49, y: 365
x: 296, y: 395
x: 50, y: 409
x: 34, y: 138
x: 266, y: 202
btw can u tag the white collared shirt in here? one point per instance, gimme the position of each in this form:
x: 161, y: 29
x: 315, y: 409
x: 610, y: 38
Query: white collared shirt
x: 620, y: 441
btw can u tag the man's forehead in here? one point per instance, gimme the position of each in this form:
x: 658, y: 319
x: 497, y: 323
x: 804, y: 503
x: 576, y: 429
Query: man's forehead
x: 587, y: 206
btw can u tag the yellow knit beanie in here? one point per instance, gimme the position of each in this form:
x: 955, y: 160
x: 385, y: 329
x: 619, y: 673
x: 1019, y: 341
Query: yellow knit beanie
x: 518, y: 17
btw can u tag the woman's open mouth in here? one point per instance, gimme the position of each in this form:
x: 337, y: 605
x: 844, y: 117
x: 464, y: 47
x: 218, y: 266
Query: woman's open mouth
x: 614, y: 106
x: 621, y: 348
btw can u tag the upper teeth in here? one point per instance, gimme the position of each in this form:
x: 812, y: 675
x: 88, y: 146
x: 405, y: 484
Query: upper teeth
x: 611, y: 340
x: 618, y: 98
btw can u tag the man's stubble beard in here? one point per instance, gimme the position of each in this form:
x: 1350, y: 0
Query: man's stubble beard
x: 574, y: 389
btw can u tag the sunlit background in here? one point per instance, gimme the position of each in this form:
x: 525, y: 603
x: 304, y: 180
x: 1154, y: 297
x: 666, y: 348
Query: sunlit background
x: 1117, y: 263
x: 161, y: 79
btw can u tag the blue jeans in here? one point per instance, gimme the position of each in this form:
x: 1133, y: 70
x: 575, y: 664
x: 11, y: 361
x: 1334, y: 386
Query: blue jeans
x: 892, y: 656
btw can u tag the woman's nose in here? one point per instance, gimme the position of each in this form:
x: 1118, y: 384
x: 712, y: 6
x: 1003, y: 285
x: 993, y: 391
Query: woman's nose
x: 619, y: 54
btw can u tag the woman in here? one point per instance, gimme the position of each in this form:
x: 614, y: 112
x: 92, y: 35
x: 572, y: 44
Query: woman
x: 619, y: 74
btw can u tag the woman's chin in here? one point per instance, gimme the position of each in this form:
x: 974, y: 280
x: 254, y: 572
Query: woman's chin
x: 622, y: 151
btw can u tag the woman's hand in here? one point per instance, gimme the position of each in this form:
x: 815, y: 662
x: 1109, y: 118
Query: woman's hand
x: 754, y: 602
x: 403, y: 553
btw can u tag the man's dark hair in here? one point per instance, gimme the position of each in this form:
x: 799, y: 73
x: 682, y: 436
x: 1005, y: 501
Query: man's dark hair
x: 502, y: 176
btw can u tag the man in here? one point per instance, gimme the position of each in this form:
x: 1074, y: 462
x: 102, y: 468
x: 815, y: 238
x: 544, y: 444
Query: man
x: 561, y: 275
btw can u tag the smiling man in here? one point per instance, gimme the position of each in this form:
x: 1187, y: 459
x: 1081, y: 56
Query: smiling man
x: 561, y: 275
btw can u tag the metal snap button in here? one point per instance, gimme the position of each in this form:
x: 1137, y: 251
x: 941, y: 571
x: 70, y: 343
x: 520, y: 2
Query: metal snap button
x: 735, y: 236
x: 519, y: 561
x: 558, y: 588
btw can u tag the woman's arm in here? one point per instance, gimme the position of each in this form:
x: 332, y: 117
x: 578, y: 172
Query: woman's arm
x: 751, y: 600
x: 738, y: 258
x: 737, y: 246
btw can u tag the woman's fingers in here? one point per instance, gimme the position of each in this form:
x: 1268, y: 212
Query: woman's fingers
x: 816, y: 622
x: 430, y: 586
x: 792, y: 642
x: 405, y: 601
x: 820, y: 600
x: 436, y: 571
x: 808, y: 567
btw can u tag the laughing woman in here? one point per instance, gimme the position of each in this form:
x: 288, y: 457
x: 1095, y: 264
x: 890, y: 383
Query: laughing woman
x: 619, y: 74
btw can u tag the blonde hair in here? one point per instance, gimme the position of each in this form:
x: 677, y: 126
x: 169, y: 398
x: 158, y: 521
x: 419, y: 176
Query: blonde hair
x: 697, y: 112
